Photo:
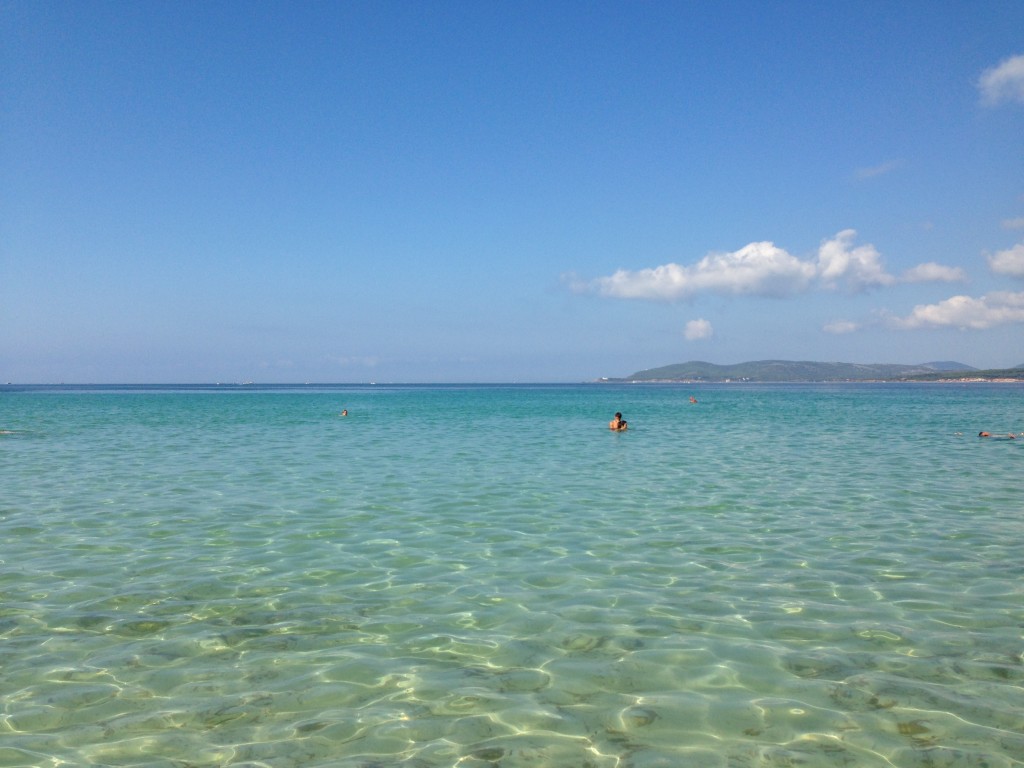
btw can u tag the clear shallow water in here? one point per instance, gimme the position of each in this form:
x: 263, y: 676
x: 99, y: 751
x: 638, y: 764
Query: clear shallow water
x: 486, y: 576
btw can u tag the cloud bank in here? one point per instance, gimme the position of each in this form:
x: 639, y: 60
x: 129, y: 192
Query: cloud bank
x: 698, y: 329
x: 931, y: 272
x: 841, y: 326
x: 965, y: 313
x: 1004, y: 82
x: 764, y: 269
x: 1009, y: 262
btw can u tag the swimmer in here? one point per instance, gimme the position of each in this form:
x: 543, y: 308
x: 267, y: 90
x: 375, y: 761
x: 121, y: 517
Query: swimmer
x: 344, y: 411
x: 693, y: 399
x: 1007, y: 436
x: 618, y: 424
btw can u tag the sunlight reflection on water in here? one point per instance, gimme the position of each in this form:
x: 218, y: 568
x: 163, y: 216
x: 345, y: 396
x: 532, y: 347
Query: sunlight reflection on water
x: 487, y: 576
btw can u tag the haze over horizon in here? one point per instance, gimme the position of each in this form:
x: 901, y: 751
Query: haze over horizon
x: 461, y: 192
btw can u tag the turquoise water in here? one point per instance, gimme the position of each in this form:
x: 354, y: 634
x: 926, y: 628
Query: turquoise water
x: 486, y: 576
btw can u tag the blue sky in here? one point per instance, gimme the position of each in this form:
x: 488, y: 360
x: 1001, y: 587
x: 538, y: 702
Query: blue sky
x: 467, y: 191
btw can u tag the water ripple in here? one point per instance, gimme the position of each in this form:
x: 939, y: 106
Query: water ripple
x: 778, y: 577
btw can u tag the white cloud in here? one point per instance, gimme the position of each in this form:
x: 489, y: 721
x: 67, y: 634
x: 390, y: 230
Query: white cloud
x: 931, y: 272
x: 841, y: 326
x: 1017, y: 223
x: 1004, y: 82
x: 877, y: 170
x: 966, y: 312
x: 763, y: 269
x: 759, y: 269
x: 698, y: 329
x: 859, y: 267
x: 1009, y: 262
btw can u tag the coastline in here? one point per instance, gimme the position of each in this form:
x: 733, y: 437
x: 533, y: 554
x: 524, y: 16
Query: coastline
x: 962, y: 380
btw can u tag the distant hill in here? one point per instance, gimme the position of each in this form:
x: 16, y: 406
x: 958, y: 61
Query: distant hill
x: 996, y: 374
x: 793, y: 371
x: 947, y: 365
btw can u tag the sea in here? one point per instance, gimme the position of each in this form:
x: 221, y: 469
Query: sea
x: 485, y: 576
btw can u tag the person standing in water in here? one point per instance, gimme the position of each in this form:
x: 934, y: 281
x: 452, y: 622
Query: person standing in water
x: 618, y: 424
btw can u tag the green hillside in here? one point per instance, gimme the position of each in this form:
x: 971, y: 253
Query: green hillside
x: 804, y: 371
